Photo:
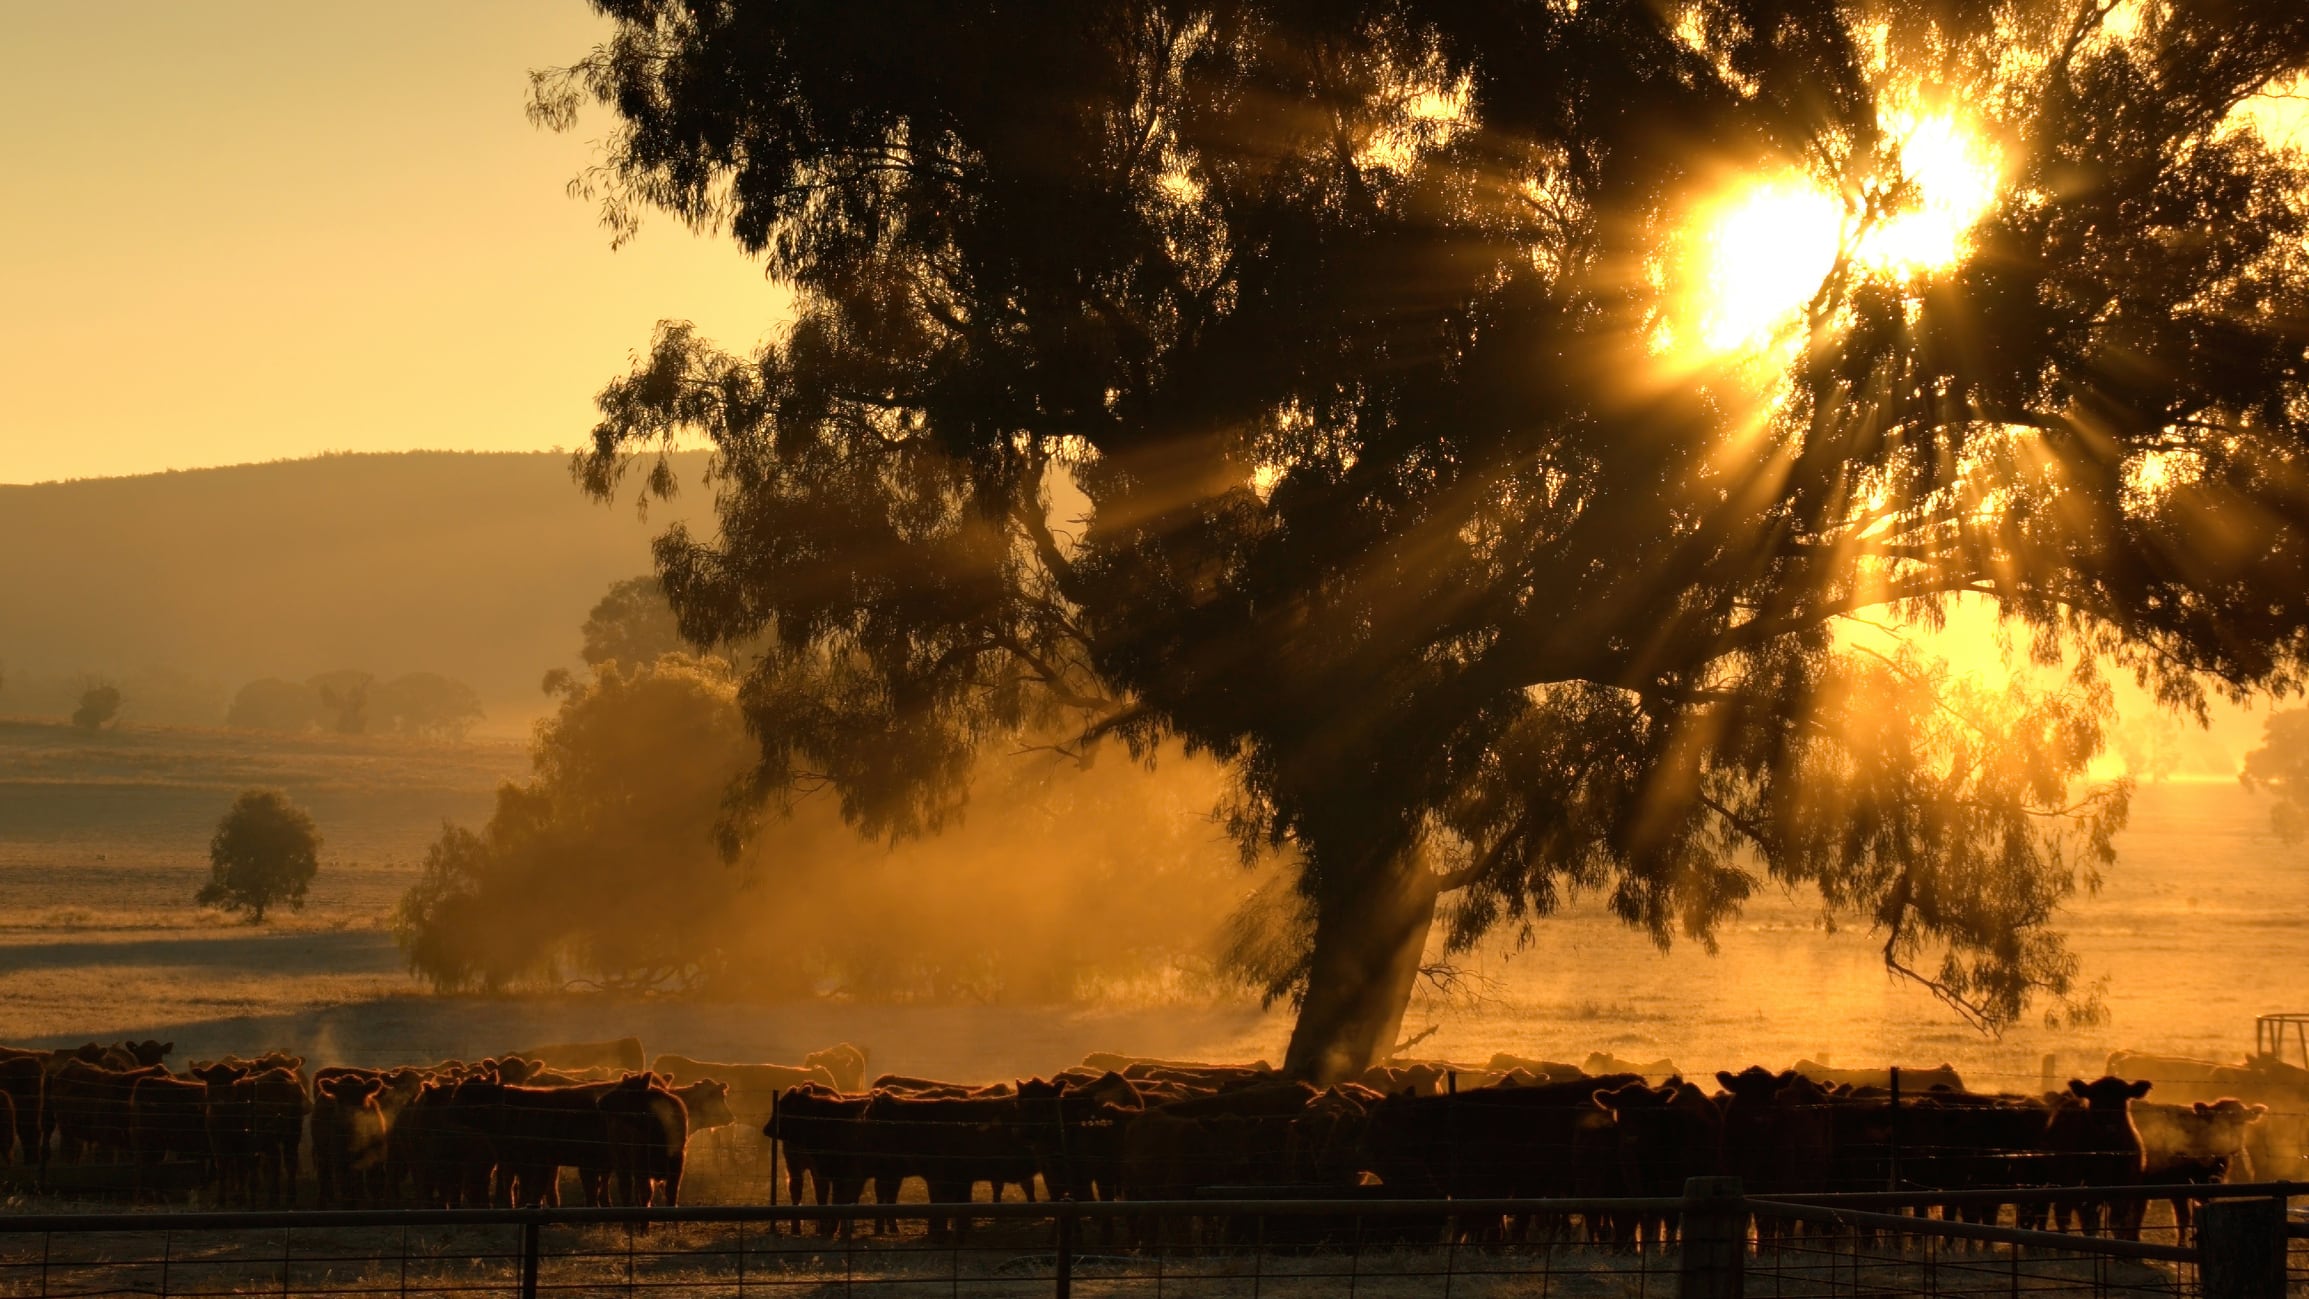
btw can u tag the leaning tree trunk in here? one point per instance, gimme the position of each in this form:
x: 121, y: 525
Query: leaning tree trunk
x: 1369, y: 938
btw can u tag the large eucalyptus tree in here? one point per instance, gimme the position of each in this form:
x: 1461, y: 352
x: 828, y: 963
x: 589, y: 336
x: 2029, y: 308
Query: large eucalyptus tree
x: 1347, y: 389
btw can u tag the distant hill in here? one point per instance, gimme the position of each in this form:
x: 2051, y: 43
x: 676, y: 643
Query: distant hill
x: 179, y: 587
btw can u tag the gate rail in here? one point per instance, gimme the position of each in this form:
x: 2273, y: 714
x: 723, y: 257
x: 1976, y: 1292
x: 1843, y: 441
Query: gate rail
x: 1251, y: 1250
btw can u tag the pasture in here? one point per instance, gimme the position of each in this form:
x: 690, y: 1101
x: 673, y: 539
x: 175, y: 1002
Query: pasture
x: 103, y: 839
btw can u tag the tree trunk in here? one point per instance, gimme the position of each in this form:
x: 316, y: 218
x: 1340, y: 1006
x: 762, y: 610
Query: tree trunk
x: 1369, y: 939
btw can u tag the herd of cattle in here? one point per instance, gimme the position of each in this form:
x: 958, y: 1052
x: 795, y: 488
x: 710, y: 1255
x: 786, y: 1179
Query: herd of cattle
x: 511, y: 1129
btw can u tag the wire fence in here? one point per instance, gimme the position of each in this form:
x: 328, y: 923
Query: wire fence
x: 1710, y: 1243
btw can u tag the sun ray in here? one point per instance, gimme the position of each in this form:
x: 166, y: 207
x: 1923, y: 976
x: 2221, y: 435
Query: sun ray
x: 1759, y: 253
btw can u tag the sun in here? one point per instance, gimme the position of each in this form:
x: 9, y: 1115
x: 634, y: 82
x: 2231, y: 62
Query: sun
x: 1767, y: 245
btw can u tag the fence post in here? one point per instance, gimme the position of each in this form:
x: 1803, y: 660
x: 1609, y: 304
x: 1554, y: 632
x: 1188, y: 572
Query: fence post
x: 1063, y: 1287
x: 1892, y: 1136
x: 529, y: 1257
x: 1715, y: 1232
x: 2241, y: 1249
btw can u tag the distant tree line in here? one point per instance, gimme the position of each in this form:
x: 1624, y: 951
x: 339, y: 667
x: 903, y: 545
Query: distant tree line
x: 349, y: 701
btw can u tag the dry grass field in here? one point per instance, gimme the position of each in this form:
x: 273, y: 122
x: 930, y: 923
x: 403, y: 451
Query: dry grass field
x: 103, y: 839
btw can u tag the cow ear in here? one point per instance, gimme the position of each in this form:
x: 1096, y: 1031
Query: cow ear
x: 2203, y: 1108
x: 1725, y: 1077
x: 2079, y: 1087
x: 2256, y: 1111
x: 2139, y: 1089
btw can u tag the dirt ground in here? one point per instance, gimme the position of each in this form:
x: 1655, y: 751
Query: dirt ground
x: 2200, y: 927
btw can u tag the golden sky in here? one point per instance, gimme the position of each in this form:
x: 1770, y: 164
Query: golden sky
x: 241, y: 230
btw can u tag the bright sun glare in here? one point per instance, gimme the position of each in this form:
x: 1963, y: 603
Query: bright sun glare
x: 1767, y: 248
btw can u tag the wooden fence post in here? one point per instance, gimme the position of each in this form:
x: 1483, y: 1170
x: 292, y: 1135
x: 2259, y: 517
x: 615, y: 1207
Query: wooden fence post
x: 2241, y: 1249
x: 1715, y: 1233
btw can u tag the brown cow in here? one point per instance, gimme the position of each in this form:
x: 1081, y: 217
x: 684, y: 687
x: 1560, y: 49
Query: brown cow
x: 2200, y: 1144
x: 649, y: 1133
x: 23, y: 1080
x: 844, y: 1063
x: 88, y: 1108
x: 824, y: 1135
x: 1666, y: 1136
x: 623, y: 1055
x: 2092, y: 1141
x: 167, y: 1117
x: 349, y: 1138
x: 1913, y: 1081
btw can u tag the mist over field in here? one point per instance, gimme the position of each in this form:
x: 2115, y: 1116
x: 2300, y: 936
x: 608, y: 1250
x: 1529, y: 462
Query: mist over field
x: 103, y: 839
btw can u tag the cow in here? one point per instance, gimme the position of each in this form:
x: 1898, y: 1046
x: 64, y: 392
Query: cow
x: 951, y: 1144
x: 1966, y: 1141
x: 1109, y: 1062
x: 1486, y: 1143
x: 2201, y: 1144
x: 167, y: 1117
x: 535, y: 1133
x: 1075, y: 1129
x: 707, y: 1103
x: 349, y: 1138
x: 754, y: 1089
x: 1913, y: 1081
x: 648, y: 1129
x: 88, y: 1107
x: 624, y: 1055
x: 824, y: 1135
x: 1544, y: 1070
x: 1667, y: 1135
x: 24, y: 1081
x: 441, y: 1161
x: 844, y: 1063
x: 1600, y: 1063
x: 2091, y: 1140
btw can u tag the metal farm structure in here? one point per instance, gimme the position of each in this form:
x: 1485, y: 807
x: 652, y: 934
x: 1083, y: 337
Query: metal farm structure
x: 1731, y: 1246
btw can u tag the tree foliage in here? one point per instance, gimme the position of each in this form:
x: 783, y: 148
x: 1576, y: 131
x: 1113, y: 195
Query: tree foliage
x: 605, y: 866
x: 2280, y: 768
x: 265, y: 853
x: 344, y: 699
x: 99, y: 705
x: 1300, y: 381
x: 631, y: 623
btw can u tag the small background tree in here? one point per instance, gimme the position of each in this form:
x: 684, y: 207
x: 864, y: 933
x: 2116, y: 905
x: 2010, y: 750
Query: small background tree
x: 265, y: 852
x: 2280, y: 769
x: 99, y: 704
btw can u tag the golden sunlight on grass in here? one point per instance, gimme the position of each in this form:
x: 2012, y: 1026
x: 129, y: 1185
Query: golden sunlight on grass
x: 1767, y: 246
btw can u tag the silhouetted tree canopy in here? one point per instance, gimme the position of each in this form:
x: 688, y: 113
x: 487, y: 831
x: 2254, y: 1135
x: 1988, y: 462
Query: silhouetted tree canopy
x: 425, y: 705
x: 2280, y: 768
x: 1294, y: 380
x: 99, y: 704
x: 344, y: 699
x: 265, y: 852
x: 632, y: 623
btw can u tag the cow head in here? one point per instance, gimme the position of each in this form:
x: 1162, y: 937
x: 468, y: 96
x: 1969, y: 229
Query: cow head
x: 1630, y: 1097
x: 2226, y: 1120
x: 1754, y: 1083
x: 2108, y: 1093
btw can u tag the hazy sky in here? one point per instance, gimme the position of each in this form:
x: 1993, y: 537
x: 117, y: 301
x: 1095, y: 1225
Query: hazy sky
x: 247, y: 229
x: 240, y: 230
